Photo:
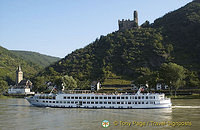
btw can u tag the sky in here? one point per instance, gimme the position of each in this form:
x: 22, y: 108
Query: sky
x: 58, y: 27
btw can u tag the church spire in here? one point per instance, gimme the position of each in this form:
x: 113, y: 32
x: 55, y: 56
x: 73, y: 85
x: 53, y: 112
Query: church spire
x: 19, y: 75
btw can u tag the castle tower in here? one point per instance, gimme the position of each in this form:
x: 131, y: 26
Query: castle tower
x: 135, y: 17
x: 19, y: 75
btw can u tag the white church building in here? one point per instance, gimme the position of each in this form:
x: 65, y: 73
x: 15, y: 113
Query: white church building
x: 22, y: 86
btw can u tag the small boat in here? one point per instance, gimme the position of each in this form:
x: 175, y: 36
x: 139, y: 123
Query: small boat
x: 102, y: 101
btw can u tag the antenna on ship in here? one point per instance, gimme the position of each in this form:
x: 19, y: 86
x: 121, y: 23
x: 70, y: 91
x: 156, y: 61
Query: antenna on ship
x: 140, y: 90
x: 54, y: 88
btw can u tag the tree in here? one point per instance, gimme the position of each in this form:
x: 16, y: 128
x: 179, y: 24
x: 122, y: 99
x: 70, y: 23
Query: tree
x: 69, y: 82
x: 173, y: 75
x: 39, y: 84
x: 147, y: 77
x: 192, y: 79
x: 3, y: 86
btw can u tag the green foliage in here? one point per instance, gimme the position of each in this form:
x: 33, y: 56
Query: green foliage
x: 36, y: 58
x: 137, y: 54
x: 172, y: 75
x: 69, y: 83
x: 119, y: 53
x: 9, y: 63
x: 181, y: 28
x: 3, y: 86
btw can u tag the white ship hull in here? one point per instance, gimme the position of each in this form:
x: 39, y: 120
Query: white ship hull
x: 138, y: 101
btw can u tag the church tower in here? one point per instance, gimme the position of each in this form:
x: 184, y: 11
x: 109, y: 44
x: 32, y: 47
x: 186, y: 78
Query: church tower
x: 19, y: 75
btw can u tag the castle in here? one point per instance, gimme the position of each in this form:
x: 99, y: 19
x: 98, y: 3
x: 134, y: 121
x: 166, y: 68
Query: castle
x: 128, y: 24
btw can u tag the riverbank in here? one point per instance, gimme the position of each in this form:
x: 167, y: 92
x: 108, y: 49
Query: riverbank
x: 193, y: 96
x: 4, y: 97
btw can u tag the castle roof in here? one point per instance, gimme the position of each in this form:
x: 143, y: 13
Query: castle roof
x: 25, y: 83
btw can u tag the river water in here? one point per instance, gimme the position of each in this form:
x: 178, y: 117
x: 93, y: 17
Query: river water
x: 17, y: 114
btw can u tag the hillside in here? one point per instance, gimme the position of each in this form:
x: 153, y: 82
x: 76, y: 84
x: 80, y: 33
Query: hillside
x: 118, y: 53
x: 37, y: 58
x: 126, y: 54
x: 182, y: 28
x: 9, y: 63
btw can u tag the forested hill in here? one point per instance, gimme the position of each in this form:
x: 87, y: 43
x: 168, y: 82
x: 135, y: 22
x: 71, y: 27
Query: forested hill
x: 182, y: 27
x: 173, y: 38
x: 118, y: 53
x: 37, y: 58
x: 9, y: 63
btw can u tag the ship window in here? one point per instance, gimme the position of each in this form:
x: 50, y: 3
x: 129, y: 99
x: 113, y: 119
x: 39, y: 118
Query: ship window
x: 109, y: 97
x: 135, y: 97
x: 64, y: 101
x: 68, y: 102
x: 147, y: 97
x: 129, y: 102
x: 135, y: 102
x: 46, y: 101
x: 142, y: 97
x: 153, y: 97
x: 118, y: 102
x: 53, y: 101
x: 76, y: 102
x: 43, y: 101
x: 105, y: 97
x: 64, y: 97
x: 60, y: 101
x: 54, y: 97
x: 109, y: 102
x: 49, y: 101
x: 88, y: 102
x: 92, y: 97
x: 139, y: 97
x: 80, y: 97
x: 84, y: 97
x: 122, y: 97
x: 96, y: 102
x: 126, y: 97
x: 142, y: 102
x: 105, y: 102
x: 147, y: 103
x: 68, y: 97
x: 139, y: 102
x: 122, y: 102
x: 72, y: 97
x: 150, y: 97
x: 118, y: 97
x: 113, y: 97
x: 56, y: 101
x: 100, y: 102
x: 96, y: 97
x: 72, y: 102
x: 76, y: 97
x: 84, y: 102
x: 100, y: 97
x: 92, y: 102
x: 88, y: 97
x: 113, y: 102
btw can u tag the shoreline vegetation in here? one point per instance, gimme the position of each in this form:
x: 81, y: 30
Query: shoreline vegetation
x: 193, y: 96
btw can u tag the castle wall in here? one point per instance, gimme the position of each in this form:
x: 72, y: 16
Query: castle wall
x: 129, y: 24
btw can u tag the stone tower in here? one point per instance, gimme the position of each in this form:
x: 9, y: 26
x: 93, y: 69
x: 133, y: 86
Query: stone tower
x: 135, y: 17
x: 19, y: 75
x: 129, y: 24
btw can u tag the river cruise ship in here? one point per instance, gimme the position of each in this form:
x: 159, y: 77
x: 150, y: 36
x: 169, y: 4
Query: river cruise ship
x: 100, y: 100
